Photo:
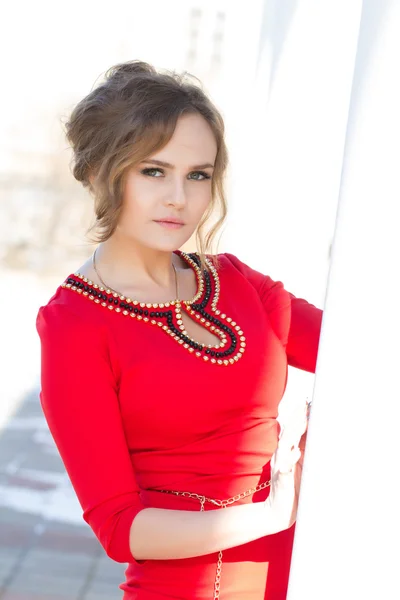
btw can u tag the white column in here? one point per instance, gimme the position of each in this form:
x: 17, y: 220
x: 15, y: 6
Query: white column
x: 289, y: 137
x: 348, y: 529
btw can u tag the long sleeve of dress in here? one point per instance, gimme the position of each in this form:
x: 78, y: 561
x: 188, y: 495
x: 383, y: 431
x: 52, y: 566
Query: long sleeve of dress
x: 80, y: 403
x: 296, y: 322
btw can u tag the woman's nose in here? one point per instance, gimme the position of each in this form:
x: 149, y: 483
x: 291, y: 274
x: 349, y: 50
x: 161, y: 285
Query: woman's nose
x: 177, y: 196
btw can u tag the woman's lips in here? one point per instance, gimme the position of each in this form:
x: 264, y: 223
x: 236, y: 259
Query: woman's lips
x: 170, y: 224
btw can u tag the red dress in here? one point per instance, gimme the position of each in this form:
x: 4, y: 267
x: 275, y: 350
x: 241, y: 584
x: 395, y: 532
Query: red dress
x: 134, y: 405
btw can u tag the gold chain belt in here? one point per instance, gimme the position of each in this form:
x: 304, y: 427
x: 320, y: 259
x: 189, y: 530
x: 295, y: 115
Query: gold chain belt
x: 220, y: 504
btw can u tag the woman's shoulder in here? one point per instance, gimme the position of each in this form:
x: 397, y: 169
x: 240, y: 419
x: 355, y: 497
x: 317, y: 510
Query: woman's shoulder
x: 69, y: 308
x: 237, y: 273
x: 231, y: 263
x: 229, y: 260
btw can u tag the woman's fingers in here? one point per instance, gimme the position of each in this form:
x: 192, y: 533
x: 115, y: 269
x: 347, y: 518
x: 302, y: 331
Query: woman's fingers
x: 292, y: 439
x: 285, y: 459
x: 283, y: 493
x: 286, y: 467
x: 295, y: 426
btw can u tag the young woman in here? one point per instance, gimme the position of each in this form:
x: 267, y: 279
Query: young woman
x: 162, y: 371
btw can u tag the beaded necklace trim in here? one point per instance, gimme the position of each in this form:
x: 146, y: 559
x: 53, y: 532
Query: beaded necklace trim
x: 232, y: 340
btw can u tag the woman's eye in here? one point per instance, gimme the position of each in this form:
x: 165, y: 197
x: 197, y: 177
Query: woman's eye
x: 152, y: 172
x: 199, y: 175
x: 195, y: 175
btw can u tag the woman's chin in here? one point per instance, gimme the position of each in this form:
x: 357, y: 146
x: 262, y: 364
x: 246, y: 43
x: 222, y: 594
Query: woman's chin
x: 165, y: 245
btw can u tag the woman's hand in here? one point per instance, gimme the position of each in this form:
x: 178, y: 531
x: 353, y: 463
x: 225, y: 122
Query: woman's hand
x: 286, y: 468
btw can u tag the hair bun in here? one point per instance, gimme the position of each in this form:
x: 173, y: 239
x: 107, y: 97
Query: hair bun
x: 132, y: 67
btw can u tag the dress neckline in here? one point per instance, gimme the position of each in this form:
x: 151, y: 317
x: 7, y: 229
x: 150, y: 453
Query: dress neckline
x: 202, y: 308
x: 190, y: 259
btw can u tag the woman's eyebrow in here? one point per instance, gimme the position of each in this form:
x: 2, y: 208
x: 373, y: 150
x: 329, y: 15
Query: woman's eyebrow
x: 161, y: 163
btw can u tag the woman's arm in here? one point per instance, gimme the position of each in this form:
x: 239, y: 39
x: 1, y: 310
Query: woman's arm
x: 158, y: 533
x: 169, y: 534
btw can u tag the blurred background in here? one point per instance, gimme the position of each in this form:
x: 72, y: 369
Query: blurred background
x: 282, y: 82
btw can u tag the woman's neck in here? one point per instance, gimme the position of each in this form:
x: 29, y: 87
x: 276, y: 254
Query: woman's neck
x: 124, y: 262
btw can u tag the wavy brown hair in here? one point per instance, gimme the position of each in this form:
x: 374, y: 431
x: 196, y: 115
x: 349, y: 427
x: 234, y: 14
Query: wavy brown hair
x: 128, y: 117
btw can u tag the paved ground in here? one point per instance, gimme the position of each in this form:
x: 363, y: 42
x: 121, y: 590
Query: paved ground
x: 46, y: 551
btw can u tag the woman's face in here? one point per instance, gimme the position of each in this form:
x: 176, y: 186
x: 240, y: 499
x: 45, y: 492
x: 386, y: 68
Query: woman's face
x: 172, y: 184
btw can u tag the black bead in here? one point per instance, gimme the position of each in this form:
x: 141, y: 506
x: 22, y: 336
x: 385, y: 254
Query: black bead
x: 130, y: 308
x: 208, y: 351
x: 146, y: 312
x: 152, y: 314
x: 136, y: 310
x: 110, y: 300
x: 116, y: 300
x: 140, y: 311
